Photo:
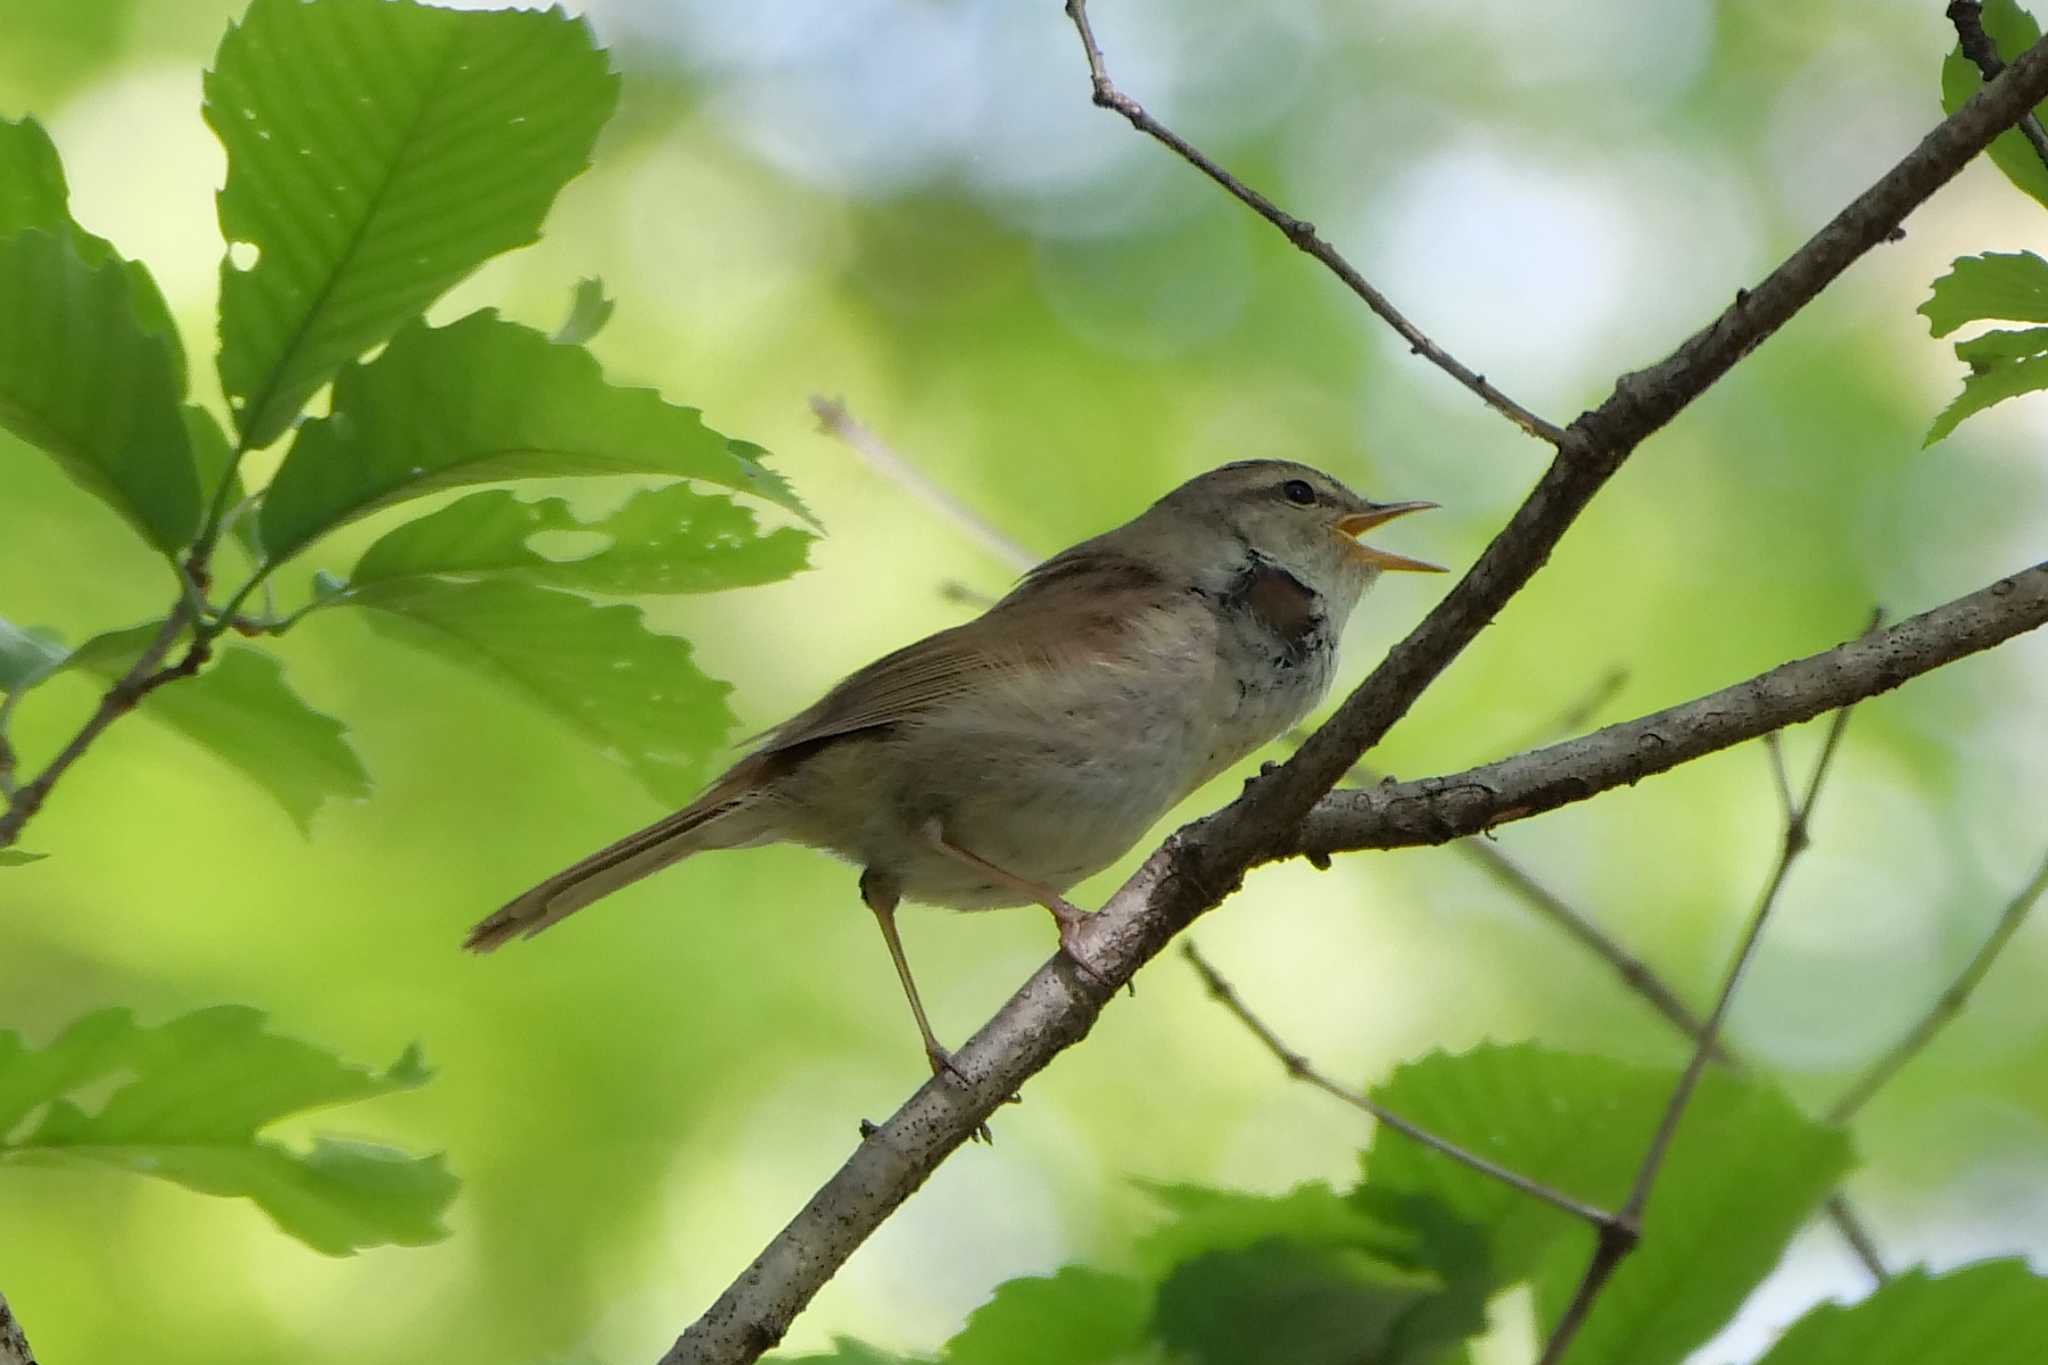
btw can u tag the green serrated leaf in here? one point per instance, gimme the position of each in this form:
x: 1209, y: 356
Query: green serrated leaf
x: 2009, y: 286
x: 15, y: 857
x: 33, y: 195
x: 379, y: 151
x: 480, y: 401
x: 1991, y: 1313
x: 242, y: 712
x: 1746, y: 1171
x: 1077, y: 1317
x: 84, y: 379
x: 191, y: 1099
x: 589, y: 311
x: 663, y: 540
x: 636, y: 694
x: 2012, y: 31
x: 1282, y: 1303
x: 1982, y: 388
x: 27, y: 656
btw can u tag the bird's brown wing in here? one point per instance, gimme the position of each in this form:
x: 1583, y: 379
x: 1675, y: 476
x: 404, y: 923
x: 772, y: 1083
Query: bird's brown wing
x: 1067, y: 610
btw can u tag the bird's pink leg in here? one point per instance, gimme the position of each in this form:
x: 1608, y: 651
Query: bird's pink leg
x: 1069, y: 916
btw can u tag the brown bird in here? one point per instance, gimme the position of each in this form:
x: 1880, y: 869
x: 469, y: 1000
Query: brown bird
x: 1001, y: 761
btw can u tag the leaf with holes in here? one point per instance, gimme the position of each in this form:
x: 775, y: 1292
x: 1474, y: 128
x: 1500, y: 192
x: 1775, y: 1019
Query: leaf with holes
x: 663, y: 540
x: 480, y: 401
x: 1991, y: 1313
x: 242, y: 712
x: 636, y: 694
x: 1745, y: 1172
x: 33, y: 195
x: 2012, y: 31
x: 379, y: 151
x: 83, y: 378
x: 190, y: 1101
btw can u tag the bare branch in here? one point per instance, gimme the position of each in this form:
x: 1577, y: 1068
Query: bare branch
x: 1968, y: 17
x: 1301, y: 1069
x: 1205, y: 861
x: 1611, y: 1250
x: 834, y: 419
x: 1948, y: 1006
x: 1436, y: 810
x: 1302, y: 234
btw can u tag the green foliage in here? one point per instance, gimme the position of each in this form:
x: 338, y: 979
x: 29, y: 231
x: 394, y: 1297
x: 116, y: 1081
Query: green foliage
x: 1992, y: 1313
x: 2012, y: 31
x: 639, y: 696
x: 33, y: 195
x: 379, y: 151
x: 83, y: 378
x: 1399, y: 1270
x: 662, y: 540
x: 590, y: 308
x: 189, y: 1102
x: 1746, y: 1171
x: 14, y: 857
x: 2009, y: 286
x: 479, y: 401
x: 241, y: 711
x: 1076, y: 1317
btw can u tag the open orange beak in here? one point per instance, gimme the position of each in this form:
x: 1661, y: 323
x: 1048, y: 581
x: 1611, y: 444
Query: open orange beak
x: 1358, y: 523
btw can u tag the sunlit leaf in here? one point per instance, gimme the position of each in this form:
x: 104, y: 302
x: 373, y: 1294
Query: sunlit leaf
x: 663, y: 540
x: 636, y: 694
x: 189, y: 1102
x: 1746, y: 1171
x: 1992, y: 1313
x: 589, y: 311
x: 379, y: 151
x: 479, y: 401
x: 2003, y: 286
x: 242, y: 712
x: 2012, y: 31
x: 33, y: 195
x: 84, y: 379
x: 1076, y: 1317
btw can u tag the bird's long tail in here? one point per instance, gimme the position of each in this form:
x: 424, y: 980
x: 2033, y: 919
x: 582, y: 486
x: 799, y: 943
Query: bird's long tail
x: 661, y: 844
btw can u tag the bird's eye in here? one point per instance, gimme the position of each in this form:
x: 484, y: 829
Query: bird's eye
x: 1299, y: 493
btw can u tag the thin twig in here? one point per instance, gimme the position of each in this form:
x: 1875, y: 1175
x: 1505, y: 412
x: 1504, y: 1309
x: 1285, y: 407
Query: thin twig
x: 1976, y: 44
x: 834, y: 419
x: 1612, y: 1250
x: 1301, y: 1069
x: 141, y: 678
x: 1947, y: 1006
x: 1850, y: 1225
x: 1301, y: 233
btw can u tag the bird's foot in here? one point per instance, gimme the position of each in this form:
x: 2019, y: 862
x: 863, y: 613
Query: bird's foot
x: 942, y: 1064
x: 1072, y: 919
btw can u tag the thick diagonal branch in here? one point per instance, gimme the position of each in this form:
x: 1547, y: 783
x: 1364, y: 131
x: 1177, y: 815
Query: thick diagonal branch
x: 1204, y: 862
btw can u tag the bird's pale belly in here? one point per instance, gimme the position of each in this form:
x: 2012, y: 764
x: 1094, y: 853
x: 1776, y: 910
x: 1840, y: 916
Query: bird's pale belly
x: 1051, y: 794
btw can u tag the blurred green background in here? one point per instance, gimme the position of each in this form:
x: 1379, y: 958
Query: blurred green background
x: 910, y: 204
